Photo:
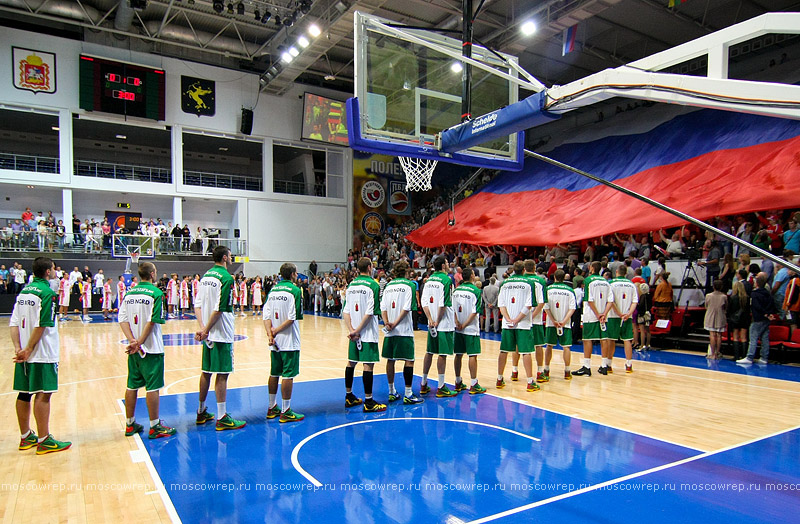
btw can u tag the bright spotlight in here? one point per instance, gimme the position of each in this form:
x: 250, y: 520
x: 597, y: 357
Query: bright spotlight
x: 303, y: 41
x: 286, y: 57
x: 314, y: 30
x: 456, y: 67
x: 528, y: 28
x: 293, y: 51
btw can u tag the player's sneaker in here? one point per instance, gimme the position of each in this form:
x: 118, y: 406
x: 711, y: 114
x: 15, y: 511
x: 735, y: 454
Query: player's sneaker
x: 582, y: 372
x: 547, y: 374
x: 609, y: 369
x: 132, y: 429
x: 51, y: 445
x: 500, y: 384
x: 413, y: 399
x: 274, y: 412
x: 628, y: 368
x: 567, y: 375
x: 351, y: 400
x: 370, y: 406
x: 28, y: 442
x: 394, y: 397
x: 514, y: 376
x: 533, y: 386
x: 603, y: 370
x: 291, y: 416
x: 228, y: 422
x: 444, y: 392
x: 204, y: 417
x: 477, y: 389
x: 160, y: 431
x: 424, y: 389
x: 541, y: 377
x: 461, y: 387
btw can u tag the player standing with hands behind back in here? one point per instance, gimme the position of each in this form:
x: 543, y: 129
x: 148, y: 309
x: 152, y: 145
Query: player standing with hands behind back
x: 214, y: 312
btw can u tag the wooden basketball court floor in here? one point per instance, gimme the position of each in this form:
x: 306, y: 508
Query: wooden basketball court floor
x: 107, y: 477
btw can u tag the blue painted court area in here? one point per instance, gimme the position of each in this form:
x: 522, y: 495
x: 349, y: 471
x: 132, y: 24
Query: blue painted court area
x: 465, y: 458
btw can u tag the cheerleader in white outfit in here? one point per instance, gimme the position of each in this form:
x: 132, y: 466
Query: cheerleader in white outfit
x: 255, y: 289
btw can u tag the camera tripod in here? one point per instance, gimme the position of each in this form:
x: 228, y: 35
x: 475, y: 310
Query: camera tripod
x: 687, y: 272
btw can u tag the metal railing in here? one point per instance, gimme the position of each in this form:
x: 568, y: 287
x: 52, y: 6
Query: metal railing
x: 91, y: 168
x: 37, y: 164
x: 221, y: 180
x: 288, y: 187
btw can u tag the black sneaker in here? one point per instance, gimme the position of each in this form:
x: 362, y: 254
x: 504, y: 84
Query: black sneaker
x: 583, y: 372
x: 603, y: 370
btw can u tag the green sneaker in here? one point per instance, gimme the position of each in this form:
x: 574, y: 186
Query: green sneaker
x: 477, y: 389
x: 291, y: 416
x: 28, y: 442
x: 444, y: 391
x: 204, y: 417
x: 228, y: 422
x: 424, y: 390
x: 461, y: 387
x: 274, y: 412
x: 413, y: 399
x: 161, y: 431
x: 394, y: 397
x: 132, y: 429
x: 51, y: 445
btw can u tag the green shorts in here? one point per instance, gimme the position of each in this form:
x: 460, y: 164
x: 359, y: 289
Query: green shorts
x: 626, y: 330
x: 565, y: 340
x: 520, y: 340
x: 469, y: 344
x: 218, y: 358
x: 612, y: 329
x: 537, y: 334
x: 369, y: 352
x: 398, y: 348
x: 442, y: 344
x: 284, y: 364
x: 36, y: 377
x: 591, y: 331
x: 147, y: 372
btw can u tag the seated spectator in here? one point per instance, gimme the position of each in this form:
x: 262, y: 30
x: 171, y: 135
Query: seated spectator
x: 662, y: 298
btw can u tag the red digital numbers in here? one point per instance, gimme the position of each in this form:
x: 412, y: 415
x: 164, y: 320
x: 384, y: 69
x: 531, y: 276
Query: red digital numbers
x: 124, y: 95
x: 113, y: 77
x: 132, y: 80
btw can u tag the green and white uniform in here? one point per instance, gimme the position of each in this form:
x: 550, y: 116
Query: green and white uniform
x: 467, y: 300
x: 142, y: 304
x: 36, y: 306
x: 560, y: 299
x: 516, y: 295
x: 363, y: 298
x: 596, y: 290
x: 625, y: 295
x: 285, y: 302
x: 437, y: 293
x: 216, y: 295
x: 399, y: 295
x: 539, y: 284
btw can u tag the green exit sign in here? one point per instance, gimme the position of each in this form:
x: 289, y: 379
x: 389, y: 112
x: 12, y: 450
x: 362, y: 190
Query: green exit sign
x: 123, y: 205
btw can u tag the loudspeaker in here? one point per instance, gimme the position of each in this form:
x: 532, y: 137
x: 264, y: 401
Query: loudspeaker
x: 235, y: 233
x: 247, y: 121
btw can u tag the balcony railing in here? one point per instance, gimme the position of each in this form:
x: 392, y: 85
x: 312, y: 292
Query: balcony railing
x: 246, y: 183
x: 123, y: 171
x: 37, y: 164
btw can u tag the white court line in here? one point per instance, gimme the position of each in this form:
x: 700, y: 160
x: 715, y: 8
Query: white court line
x: 315, y: 482
x: 159, y: 485
x: 741, y: 384
x: 622, y: 479
x: 166, y: 389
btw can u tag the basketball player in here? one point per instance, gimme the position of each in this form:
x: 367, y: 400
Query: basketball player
x: 63, y: 297
x: 539, y: 285
x: 86, y: 298
x: 596, y: 298
x: 184, y: 305
x: 235, y: 294
x: 360, y: 313
x: 243, y: 296
x: 437, y: 304
x: 107, y: 299
x: 195, y: 288
x: 561, y: 305
x: 173, y: 298
x: 467, y: 306
x: 214, y: 312
x: 620, y: 324
x: 516, y: 302
x: 121, y: 290
x: 284, y: 308
x: 397, y: 306
x: 257, y: 300
x: 140, y: 317
x: 34, y: 334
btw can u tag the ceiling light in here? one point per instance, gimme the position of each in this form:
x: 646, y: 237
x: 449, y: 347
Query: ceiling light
x: 305, y: 7
x: 278, y: 21
x: 240, y: 8
x: 293, y: 51
x: 30, y: 187
x: 230, y: 8
x: 257, y: 15
x: 456, y: 67
x: 263, y: 80
x: 330, y: 78
x: 266, y: 17
x: 303, y: 41
x: 314, y: 30
x: 122, y: 137
x: 223, y: 148
x: 286, y: 57
x: 528, y: 28
x: 287, y: 21
x: 219, y: 6
x: 55, y: 128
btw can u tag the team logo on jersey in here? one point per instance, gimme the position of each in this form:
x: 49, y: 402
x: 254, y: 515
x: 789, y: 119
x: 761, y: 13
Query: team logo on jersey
x: 23, y: 323
x: 136, y: 319
x: 513, y: 300
x: 356, y: 307
x: 623, y: 296
x: 372, y: 193
x: 276, y: 315
x: 459, y: 309
x: 558, y: 305
x: 431, y: 300
x: 393, y: 305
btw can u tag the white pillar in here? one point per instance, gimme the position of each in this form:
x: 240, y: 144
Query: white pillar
x: 177, y: 211
x: 66, y: 211
x: 718, y: 61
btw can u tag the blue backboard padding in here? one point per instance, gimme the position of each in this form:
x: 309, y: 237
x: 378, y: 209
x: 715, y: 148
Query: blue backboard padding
x: 361, y: 143
x: 502, y: 122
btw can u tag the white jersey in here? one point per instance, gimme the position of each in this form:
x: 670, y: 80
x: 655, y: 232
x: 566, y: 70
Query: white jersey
x: 195, y: 290
x: 141, y: 305
x: 256, y: 290
x: 216, y: 294
x: 36, y: 307
x: 516, y: 295
x: 437, y: 293
x: 63, y: 292
x: 121, y: 290
x: 560, y: 299
x: 362, y: 299
x: 86, y: 294
x: 398, y: 296
x: 625, y: 295
x: 184, y: 294
x: 539, y: 296
x: 596, y: 290
x: 172, y: 292
x: 107, y: 295
x: 285, y: 302
x: 99, y: 279
x: 466, y: 301
x: 243, y: 293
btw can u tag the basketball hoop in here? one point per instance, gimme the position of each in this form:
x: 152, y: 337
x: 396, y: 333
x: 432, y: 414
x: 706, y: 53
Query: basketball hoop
x: 135, y: 258
x: 418, y: 172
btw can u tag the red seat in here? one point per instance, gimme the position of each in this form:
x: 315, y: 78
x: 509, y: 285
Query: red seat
x: 778, y: 335
x: 794, y: 343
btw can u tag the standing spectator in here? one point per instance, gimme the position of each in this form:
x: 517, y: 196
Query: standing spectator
x: 105, y: 228
x: 762, y: 309
x: 61, y: 234
x: 27, y: 215
x: 726, y: 275
x: 715, y: 318
x: 644, y: 316
x: 99, y: 281
x: 489, y: 296
x: 312, y: 269
x: 739, y: 318
x: 791, y: 303
x: 19, y: 278
x: 791, y: 238
x: 177, y: 236
x: 3, y: 272
x: 712, y: 265
x: 186, y: 234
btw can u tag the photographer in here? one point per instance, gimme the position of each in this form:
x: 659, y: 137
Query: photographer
x: 711, y: 264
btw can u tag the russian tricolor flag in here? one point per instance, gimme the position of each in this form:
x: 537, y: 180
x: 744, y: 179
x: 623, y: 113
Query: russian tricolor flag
x: 569, y: 40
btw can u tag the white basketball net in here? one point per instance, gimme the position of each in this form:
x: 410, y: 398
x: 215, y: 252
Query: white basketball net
x: 418, y: 172
x: 135, y: 258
